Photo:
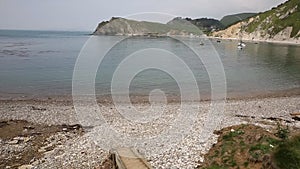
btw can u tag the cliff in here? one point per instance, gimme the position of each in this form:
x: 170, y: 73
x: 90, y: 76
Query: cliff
x: 278, y: 24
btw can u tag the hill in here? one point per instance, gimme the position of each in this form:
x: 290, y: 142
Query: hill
x: 206, y: 24
x: 229, y: 20
x: 281, y: 23
x: 285, y: 16
x: 122, y: 26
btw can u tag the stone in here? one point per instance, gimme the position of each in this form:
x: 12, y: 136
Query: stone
x: 25, y: 167
x: 28, y: 127
x: 42, y: 150
x: 35, y: 163
x: 297, y: 124
x: 26, y: 139
x: 258, y: 137
x: 13, y: 142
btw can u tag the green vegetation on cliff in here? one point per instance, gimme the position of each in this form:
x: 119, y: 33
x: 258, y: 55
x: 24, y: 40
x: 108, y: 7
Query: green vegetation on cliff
x: 279, y: 23
x: 277, y: 19
x: 204, y: 24
x: 122, y: 26
x: 232, y: 19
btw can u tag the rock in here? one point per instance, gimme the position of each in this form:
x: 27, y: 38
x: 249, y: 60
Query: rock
x: 297, y: 125
x: 258, y: 137
x: 13, y: 142
x: 32, y: 160
x: 28, y: 127
x: 122, y: 26
x: 25, y: 167
x: 41, y: 150
x: 35, y: 163
x: 19, y: 138
x: 37, y: 108
x: 26, y: 139
x: 71, y: 127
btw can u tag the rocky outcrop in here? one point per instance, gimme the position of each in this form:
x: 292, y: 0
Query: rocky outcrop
x: 122, y: 26
x: 279, y: 24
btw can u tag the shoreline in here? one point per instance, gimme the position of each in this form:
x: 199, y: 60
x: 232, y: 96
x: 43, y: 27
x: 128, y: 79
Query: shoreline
x: 260, y: 41
x: 142, y: 99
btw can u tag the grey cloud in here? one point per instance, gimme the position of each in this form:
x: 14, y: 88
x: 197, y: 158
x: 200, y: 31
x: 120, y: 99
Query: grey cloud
x: 85, y: 14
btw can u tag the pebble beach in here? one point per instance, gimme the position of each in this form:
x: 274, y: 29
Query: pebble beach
x: 74, y: 148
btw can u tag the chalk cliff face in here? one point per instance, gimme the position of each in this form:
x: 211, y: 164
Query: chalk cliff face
x: 279, y: 24
x: 122, y: 26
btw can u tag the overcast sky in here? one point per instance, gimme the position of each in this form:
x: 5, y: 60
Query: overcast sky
x: 85, y: 14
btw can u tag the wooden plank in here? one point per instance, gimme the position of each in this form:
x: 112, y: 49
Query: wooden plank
x: 127, y: 158
x: 296, y: 116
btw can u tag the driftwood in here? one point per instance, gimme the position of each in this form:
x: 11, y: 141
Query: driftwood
x: 296, y: 116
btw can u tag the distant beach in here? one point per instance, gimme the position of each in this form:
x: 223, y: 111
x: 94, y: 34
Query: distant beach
x: 286, y: 42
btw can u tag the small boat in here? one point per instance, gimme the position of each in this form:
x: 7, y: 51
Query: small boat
x: 219, y: 41
x: 241, y: 45
x: 201, y: 44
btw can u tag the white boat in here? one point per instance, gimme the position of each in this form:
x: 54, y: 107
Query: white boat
x: 241, y: 45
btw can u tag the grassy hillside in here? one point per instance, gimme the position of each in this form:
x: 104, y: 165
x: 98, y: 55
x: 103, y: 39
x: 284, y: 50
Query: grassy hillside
x: 152, y: 27
x: 207, y: 24
x: 252, y: 147
x: 277, y: 19
x: 203, y: 24
x: 174, y: 25
x: 232, y: 19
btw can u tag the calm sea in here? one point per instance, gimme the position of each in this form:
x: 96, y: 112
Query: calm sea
x: 41, y: 63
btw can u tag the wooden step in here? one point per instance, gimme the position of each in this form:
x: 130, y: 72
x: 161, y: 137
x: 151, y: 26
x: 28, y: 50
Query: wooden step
x: 128, y: 158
